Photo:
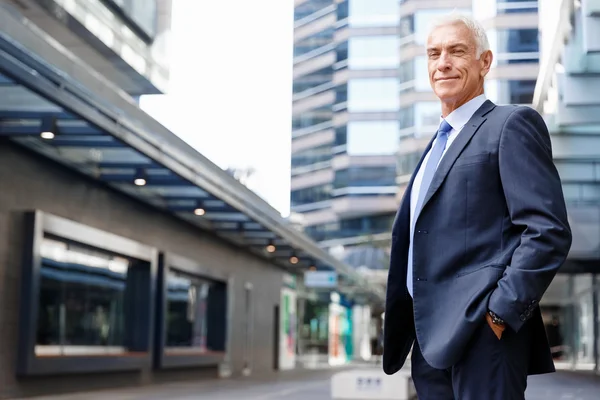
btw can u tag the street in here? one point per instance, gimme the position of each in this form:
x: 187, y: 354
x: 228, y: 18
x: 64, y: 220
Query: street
x: 315, y: 385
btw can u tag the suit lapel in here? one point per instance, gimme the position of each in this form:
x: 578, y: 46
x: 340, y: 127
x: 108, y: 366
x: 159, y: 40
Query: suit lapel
x: 456, y: 148
x: 404, y: 210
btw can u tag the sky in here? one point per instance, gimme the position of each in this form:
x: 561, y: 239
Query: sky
x: 230, y: 90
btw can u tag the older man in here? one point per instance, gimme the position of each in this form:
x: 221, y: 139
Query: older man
x: 479, y: 236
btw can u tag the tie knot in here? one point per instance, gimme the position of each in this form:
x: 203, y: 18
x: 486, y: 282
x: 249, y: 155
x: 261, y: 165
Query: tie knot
x: 445, y: 128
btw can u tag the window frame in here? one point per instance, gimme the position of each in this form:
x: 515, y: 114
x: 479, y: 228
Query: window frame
x: 172, y: 262
x: 37, y: 224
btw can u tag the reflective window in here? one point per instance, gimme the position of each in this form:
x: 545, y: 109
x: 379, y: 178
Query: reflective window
x: 408, y: 162
x: 372, y: 137
x: 510, y: 91
x: 374, y: 94
x: 421, y: 75
x: 372, y: 52
x: 88, y: 300
x: 310, y: 82
x: 187, y: 311
x: 373, y: 13
x: 427, y: 113
x: 311, y: 195
x: 406, y: 117
x: 351, y: 227
x: 307, y: 119
x: 313, y: 42
x: 365, y: 176
x: 406, y: 72
x: 310, y: 7
x: 141, y: 13
x: 514, y: 45
x: 415, y: 70
x: 516, y: 6
x: 311, y: 156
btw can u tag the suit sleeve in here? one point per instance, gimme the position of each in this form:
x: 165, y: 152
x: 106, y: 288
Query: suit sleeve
x: 536, y: 207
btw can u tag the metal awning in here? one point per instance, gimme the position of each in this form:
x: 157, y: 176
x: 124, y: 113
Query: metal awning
x: 47, y: 111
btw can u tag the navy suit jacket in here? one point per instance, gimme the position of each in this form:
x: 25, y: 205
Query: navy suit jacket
x: 492, y: 232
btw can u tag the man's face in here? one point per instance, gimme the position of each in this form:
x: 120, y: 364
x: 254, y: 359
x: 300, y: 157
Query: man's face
x: 455, y: 73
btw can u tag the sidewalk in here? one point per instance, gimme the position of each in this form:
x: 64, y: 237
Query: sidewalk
x: 315, y: 385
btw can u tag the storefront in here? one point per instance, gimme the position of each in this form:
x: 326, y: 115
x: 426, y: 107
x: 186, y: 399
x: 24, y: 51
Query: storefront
x: 127, y: 257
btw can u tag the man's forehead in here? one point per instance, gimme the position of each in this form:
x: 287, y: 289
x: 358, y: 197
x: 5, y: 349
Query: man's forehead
x: 450, y: 36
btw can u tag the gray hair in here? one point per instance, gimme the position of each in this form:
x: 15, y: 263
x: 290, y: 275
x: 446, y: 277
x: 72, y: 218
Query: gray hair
x: 478, y: 31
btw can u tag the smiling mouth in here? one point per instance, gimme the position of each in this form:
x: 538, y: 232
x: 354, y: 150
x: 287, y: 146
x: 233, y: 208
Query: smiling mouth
x: 446, y: 79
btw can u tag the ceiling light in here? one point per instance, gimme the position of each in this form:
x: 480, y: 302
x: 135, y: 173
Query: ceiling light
x: 271, y: 248
x: 139, y: 181
x: 199, y: 211
x: 47, y: 135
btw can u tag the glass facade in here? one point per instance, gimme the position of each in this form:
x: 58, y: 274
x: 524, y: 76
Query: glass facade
x: 352, y: 227
x: 85, y: 302
x: 139, y: 13
x: 372, y: 137
x: 311, y: 194
x: 373, y: 94
x: 366, y: 13
x: 373, y: 52
x: 573, y: 327
x: 365, y: 176
x: 187, y: 311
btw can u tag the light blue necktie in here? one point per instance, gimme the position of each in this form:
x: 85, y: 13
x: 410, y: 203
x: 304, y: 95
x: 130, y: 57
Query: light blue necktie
x: 434, y: 158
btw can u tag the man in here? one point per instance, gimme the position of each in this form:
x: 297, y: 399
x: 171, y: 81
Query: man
x: 479, y: 236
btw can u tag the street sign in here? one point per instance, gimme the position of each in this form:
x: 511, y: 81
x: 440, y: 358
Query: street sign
x: 320, y: 279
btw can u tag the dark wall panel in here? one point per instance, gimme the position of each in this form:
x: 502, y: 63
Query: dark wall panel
x: 29, y: 182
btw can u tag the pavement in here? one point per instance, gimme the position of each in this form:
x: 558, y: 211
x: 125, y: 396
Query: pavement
x: 315, y: 385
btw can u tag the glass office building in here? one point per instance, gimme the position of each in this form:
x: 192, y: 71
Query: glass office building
x: 345, y: 123
x: 567, y: 94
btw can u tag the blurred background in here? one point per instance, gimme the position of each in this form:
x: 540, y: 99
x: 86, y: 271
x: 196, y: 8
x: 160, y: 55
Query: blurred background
x: 195, y: 190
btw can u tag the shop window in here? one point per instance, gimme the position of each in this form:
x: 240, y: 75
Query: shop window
x: 193, y: 314
x: 86, y: 299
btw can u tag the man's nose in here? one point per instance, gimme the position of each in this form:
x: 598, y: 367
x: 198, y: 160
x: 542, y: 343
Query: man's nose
x: 444, y: 62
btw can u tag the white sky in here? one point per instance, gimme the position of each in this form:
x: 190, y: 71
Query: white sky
x: 231, y: 86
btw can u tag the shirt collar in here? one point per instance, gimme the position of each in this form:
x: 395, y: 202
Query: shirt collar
x: 459, y: 117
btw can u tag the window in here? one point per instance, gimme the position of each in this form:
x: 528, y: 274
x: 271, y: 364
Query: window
x: 311, y: 156
x: 138, y: 14
x: 510, y: 91
x: 308, y: 119
x: 373, y: 94
x: 310, y: 7
x: 313, y: 42
x: 373, y: 52
x: 365, y: 176
x: 406, y: 117
x: 192, y: 315
x: 373, y: 13
x: 517, y: 6
x: 514, y: 45
x: 87, y: 300
x: 372, y: 137
x: 187, y: 311
x: 312, y: 194
x: 408, y: 162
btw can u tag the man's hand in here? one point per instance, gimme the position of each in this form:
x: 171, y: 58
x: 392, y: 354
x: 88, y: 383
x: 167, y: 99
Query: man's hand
x: 498, y: 329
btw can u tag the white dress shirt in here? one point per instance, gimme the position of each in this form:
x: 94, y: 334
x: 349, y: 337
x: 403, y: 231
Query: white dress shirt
x: 457, y: 120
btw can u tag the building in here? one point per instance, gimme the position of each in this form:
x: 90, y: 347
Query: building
x: 345, y: 123
x: 567, y: 94
x: 127, y: 257
x: 512, y: 29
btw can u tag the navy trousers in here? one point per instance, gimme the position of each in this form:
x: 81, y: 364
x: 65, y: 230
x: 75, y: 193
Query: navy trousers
x: 490, y: 369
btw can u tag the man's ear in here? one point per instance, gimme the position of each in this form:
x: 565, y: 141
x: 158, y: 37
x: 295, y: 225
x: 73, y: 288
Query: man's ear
x: 486, y: 60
